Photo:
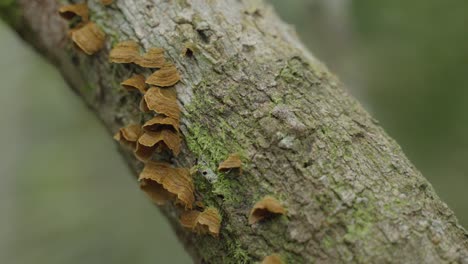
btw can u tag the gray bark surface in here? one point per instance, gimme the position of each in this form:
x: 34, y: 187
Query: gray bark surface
x: 251, y: 87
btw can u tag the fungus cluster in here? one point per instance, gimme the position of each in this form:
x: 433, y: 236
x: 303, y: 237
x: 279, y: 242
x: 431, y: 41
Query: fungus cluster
x: 86, y: 35
x: 161, y: 133
x: 160, y: 180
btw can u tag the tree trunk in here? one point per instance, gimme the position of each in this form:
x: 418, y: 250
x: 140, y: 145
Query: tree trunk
x: 250, y: 87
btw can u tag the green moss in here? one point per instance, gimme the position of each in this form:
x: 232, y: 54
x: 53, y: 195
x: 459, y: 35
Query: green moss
x: 228, y: 189
x: 363, y: 220
x: 292, y: 72
x: 394, y: 208
x: 239, y: 254
x: 209, y: 141
x: 206, y: 146
x: 328, y: 242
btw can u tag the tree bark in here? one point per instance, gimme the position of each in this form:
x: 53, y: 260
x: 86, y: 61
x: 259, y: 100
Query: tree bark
x: 251, y: 87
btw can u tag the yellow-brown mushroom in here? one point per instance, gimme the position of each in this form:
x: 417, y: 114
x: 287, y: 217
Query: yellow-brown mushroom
x: 89, y: 38
x: 125, y: 52
x: 106, y: 2
x: 151, y: 141
x: 232, y: 162
x: 154, y: 58
x: 163, y: 182
x: 128, y: 136
x: 265, y: 208
x: 164, y: 77
x: 272, y: 259
x: 162, y: 101
x: 161, y: 122
x: 135, y: 83
x: 68, y: 12
x: 206, y: 222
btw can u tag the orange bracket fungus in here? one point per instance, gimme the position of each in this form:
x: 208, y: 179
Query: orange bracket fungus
x: 154, y: 58
x: 208, y: 221
x: 89, y: 38
x: 125, y: 52
x: 143, y: 107
x: 164, y: 77
x: 135, y: 83
x: 143, y: 152
x: 69, y: 12
x: 272, y: 259
x: 129, y: 52
x: 232, y: 162
x: 163, y: 101
x: 150, y: 141
x: 106, y: 2
x: 265, y: 208
x: 161, y: 122
x: 163, y: 182
x: 128, y: 136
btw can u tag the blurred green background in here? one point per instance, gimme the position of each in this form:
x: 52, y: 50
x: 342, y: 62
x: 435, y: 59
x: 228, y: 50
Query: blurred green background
x: 67, y: 197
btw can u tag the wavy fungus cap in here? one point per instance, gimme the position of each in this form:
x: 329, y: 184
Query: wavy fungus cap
x: 106, y: 2
x: 135, y: 83
x: 206, y: 222
x: 265, y: 208
x: 154, y: 58
x: 164, y: 77
x: 128, y: 136
x: 69, y: 12
x: 161, y: 122
x: 125, y: 52
x: 89, y: 38
x: 163, y: 183
x: 232, y: 162
x: 162, y: 101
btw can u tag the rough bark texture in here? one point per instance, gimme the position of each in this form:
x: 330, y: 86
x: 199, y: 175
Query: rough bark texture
x: 250, y: 87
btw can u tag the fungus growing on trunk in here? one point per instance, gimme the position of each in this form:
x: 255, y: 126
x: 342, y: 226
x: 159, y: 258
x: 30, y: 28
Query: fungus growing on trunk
x: 69, y: 12
x: 161, y: 122
x: 163, y: 101
x: 106, y: 2
x: 232, y: 162
x: 151, y: 141
x: 163, y: 182
x: 143, y: 107
x: 125, y: 52
x: 164, y: 77
x: 265, y: 208
x: 154, y: 58
x: 206, y: 222
x: 272, y: 259
x: 128, y: 136
x: 135, y: 83
x: 89, y: 38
